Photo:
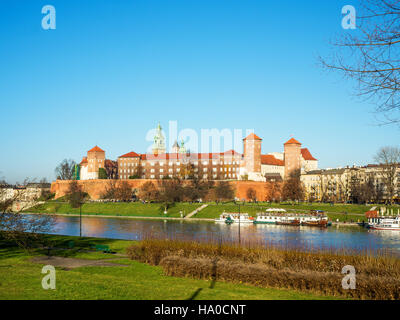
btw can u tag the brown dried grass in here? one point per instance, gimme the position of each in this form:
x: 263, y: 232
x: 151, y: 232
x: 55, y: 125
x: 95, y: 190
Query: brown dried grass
x: 377, y: 276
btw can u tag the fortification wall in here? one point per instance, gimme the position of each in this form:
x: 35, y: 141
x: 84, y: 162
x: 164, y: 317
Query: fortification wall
x: 95, y: 188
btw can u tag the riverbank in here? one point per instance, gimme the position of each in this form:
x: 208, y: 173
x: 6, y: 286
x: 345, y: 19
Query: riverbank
x: 21, y: 277
x: 355, y: 213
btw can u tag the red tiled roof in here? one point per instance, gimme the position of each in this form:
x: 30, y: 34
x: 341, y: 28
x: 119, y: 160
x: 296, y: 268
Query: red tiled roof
x: 307, y: 154
x: 292, y: 141
x: 130, y: 155
x: 231, y: 153
x: 269, y: 159
x: 252, y: 136
x: 84, y: 161
x: 96, y: 149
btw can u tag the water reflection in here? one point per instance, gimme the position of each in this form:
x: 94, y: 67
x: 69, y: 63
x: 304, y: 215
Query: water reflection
x: 335, y: 237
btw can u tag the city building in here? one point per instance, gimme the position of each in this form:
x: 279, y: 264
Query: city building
x: 349, y: 184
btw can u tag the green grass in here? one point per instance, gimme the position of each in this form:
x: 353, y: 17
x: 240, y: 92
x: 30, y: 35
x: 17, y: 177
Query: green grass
x: 137, y: 209
x: 21, y: 279
x: 354, y: 212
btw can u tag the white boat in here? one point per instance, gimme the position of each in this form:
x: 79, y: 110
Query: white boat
x: 270, y: 216
x: 229, y: 218
x: 281, y: 217
x: 384, y: 223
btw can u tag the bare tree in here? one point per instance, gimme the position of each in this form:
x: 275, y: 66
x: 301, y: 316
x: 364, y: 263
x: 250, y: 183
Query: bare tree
x: 273, y: 190
x: 293, y: 188
x: 65, y: 170
x: 370, y: 55
x: 223, y: 190
x: 148, y: 191
x: 75, y: 195
x: 117, y: 190
x: 389, y: 160
x: 23, y: 229
x: 251, y: 194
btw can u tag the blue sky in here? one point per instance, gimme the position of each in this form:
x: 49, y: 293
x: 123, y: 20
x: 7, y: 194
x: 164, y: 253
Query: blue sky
x: 112, y: 69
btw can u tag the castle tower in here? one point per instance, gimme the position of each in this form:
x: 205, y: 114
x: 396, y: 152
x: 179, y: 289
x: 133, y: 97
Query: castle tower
x: 159, y: 141
x: 252, y: 154
x: 292, y: 156
x: 95, y: 159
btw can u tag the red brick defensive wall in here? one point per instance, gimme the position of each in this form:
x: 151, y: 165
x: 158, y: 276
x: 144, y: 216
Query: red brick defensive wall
x: 94, y: 188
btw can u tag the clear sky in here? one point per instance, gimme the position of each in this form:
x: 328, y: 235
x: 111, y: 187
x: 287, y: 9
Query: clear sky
x: 112, y: 69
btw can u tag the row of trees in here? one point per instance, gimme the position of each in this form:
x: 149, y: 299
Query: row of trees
x: 170, y: 190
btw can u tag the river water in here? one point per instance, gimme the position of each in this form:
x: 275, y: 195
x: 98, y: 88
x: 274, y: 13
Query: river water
x: 348, y: 238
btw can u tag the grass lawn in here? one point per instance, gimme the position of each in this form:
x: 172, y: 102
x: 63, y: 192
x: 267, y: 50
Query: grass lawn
x: 115, y: 208
x: 354, y: 212
x: 21, y: 279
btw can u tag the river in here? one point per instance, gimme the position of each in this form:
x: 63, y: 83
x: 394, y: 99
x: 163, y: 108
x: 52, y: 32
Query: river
x: 349, y: 238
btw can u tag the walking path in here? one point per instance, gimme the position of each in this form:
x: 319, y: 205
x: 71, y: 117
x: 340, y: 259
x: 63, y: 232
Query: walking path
x: 195, y: 211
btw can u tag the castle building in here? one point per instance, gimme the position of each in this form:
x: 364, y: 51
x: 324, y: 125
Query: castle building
x: 228, y: 165
x: 90, y: 165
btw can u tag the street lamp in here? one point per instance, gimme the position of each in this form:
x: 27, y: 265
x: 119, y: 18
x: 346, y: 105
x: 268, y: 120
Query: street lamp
x: 80, y: 219
x: 239, y: 223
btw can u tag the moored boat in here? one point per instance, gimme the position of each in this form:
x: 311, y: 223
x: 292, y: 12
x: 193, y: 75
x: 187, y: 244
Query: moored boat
x: 289, y: 222
x: 319, y: 223
x: 270, y: 216
x: 314, y: 219
x: 381, y: 222
x: 230, y: 218
x: 281, y: 217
